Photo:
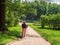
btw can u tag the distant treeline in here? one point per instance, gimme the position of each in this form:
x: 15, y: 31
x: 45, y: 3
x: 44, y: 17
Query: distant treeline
x: 15, y: 10
x: 33, y: 10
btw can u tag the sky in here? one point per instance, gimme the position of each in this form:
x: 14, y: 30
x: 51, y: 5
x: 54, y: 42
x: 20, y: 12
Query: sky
x: 53, y: 1
x: 29, y: 0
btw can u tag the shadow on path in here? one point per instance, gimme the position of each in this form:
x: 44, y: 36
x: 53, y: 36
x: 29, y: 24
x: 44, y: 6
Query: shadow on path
x: 35, y: 36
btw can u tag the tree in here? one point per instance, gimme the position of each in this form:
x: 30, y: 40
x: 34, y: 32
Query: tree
x: 12, y: 12
x: 2, y: 16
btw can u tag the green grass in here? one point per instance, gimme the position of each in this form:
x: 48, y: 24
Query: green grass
x: 14, y: 33
x: 53, y: 36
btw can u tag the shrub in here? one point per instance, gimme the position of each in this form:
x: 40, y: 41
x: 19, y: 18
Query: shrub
x: 53, y: 21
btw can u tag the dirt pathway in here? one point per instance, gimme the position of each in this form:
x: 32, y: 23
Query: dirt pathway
x: 32, y: 38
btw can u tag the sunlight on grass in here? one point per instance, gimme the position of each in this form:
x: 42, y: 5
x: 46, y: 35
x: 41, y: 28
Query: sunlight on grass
x: 14, y: 33
x: 53, y: 36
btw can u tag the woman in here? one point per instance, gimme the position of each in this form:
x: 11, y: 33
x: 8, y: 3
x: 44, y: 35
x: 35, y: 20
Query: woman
x: 24, y: 26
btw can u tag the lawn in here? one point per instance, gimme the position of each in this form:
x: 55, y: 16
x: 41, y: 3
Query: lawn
x: 53, y: 36
x: 14, y: 33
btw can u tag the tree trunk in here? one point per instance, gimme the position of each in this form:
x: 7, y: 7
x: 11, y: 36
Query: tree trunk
x: 2, y: 16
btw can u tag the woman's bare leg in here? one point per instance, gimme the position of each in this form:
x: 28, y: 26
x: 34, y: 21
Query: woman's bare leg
x: 24, y: 32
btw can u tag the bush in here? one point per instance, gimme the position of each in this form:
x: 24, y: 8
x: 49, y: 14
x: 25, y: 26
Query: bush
x: 43, y: 20
x: 36, y: 23
x: 11, y: 18
x: 53, y: 21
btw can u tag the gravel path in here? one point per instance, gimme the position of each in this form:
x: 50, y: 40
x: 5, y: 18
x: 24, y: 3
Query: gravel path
x: 32, y: 38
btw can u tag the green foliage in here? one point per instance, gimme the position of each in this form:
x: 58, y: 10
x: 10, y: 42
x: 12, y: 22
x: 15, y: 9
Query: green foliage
x: 11, y: 35
x: 12, y: 12
x: 28, y: 10
x: 33, y: 10
x: 53, y: 21
x: 43, y: 20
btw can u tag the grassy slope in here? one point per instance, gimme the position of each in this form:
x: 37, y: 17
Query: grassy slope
x: 53, y: 36
x: 13, y: 33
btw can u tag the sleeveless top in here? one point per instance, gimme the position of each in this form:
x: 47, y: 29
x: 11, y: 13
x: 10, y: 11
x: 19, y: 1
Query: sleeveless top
x: 24, y: 26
